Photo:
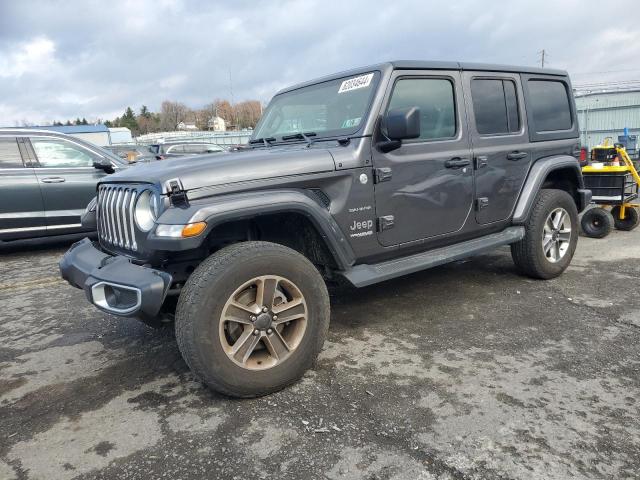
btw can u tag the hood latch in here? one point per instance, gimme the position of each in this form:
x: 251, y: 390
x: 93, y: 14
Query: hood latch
x: 177, y: 195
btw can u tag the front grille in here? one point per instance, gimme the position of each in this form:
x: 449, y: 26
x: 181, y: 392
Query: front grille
x: 115, y: 209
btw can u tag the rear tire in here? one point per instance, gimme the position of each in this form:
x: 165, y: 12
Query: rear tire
x: 597, y: 222
x: 551, y: 236
x: 222, y: 306
x: 630, y: 220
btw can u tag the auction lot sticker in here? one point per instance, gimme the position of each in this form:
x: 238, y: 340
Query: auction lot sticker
x: 356, y: 82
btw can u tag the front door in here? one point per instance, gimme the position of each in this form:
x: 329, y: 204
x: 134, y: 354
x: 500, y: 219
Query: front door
x: 21, y: 208
x: 500, y: 142
x: 67, y: 179
x: 424, y: 188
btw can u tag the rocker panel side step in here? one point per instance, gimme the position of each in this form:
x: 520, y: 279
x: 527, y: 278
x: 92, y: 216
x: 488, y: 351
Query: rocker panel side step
x: 363, y: 275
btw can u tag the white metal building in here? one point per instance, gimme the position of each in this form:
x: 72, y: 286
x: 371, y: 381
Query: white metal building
x: 96, y: 134
x: 120, y: 135
x: 607, y: 114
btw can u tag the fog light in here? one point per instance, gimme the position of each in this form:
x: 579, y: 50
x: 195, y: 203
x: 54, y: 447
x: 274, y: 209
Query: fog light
x: 118, y: 299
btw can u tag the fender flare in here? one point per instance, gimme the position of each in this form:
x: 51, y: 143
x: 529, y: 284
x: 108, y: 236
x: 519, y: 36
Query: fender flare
x: 241, y: 206
x: 538, y: 173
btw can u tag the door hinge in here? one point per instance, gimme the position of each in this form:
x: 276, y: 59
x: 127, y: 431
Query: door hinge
x: 385, y: 223
x: 481, y: 161
x: 482, y: 202
x: 382, y: 174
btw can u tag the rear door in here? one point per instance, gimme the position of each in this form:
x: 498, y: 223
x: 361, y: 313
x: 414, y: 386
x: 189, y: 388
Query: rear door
x: 22, y: 212
x: 500, y: 142
x: 67, y: 180
x: 425, y: 188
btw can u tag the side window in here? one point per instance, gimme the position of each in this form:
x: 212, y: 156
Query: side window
x: 196, y: 148
x: 9, y: 153
x: 54, y: 153
x: 436, y: 100
x: 495, y: 106
x: 550, y: 105
x: 175, y: 149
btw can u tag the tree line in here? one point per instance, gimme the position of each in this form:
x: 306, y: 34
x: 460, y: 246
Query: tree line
x: 237, y: 117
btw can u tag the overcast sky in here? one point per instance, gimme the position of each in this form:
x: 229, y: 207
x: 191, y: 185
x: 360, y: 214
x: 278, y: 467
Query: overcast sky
x: 63, y: 59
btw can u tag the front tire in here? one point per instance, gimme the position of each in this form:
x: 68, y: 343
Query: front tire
x: 551, y: 236
x: 252, y: 318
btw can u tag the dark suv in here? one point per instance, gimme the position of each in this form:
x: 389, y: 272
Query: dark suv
x: 46, y: 181
x: 364, y: 176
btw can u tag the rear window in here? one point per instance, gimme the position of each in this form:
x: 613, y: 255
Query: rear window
x: 495, y: 106
x: 9, y: 154
x: 550, y: 105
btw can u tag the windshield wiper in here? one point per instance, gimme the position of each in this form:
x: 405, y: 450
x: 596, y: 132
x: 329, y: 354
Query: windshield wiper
x: 300, y: 136
x: 266, y: 141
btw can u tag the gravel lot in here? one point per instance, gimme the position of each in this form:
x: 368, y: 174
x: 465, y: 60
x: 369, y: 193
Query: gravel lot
x: 464, y: 371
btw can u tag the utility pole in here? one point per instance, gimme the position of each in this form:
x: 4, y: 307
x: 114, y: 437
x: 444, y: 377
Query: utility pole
x: 233, y: 110
x: 543, y: 54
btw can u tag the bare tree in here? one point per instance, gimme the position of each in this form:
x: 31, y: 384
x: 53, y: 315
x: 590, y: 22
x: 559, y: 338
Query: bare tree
x: 171, y: 114
x: 248, y: 113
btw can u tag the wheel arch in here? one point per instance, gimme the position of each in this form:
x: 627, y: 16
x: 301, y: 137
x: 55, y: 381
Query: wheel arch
x: 560, y: 172
x: 294, y: 218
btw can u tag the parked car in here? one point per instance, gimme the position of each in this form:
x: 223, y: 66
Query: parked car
x: 182, y: 149
x: 133, y: 153
x: 46, y: 181
x: 363, y: 176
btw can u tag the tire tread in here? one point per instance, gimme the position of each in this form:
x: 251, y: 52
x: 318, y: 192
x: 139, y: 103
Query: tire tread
x: 524, y: 252
x: 192, y: 296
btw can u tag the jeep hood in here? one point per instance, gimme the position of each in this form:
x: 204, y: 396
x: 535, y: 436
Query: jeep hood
x: 230, y: 167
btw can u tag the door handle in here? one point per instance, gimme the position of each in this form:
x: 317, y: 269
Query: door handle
x: 53, y: 180
x: 516, y: 155
x: 457, y: 162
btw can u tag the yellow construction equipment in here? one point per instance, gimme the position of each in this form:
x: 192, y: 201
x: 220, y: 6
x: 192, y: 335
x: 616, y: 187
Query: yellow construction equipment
x: 613, y: 180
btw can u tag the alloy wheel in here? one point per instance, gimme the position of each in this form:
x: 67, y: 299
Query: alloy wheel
x: 556, y: 235
x: 263, y: 322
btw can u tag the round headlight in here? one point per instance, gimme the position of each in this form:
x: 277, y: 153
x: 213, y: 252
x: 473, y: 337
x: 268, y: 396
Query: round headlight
x: 146, y: 211
x: 92, y: 205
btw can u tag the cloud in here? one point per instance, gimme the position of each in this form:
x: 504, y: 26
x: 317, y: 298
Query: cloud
x: 60, y: 60
x: 34, y: 56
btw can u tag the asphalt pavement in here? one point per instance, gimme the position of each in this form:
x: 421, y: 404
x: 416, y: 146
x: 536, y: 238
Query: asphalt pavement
x: 464, y: 371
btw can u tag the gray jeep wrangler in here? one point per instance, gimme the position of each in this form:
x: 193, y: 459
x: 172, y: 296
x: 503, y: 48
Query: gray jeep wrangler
x: 363, y: 176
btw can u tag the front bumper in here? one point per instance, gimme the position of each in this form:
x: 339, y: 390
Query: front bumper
x: 113, y: 283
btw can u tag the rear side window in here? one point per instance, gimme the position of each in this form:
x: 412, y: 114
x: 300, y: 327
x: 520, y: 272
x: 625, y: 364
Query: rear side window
x: 10, y: 154
x: 54, y: 153
x: 495, y: 106
x: 549, y: 105
x: 435, y: 98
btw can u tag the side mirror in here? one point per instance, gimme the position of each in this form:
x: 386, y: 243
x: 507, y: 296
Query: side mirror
x: 103, y: 164
x: 401, y: 124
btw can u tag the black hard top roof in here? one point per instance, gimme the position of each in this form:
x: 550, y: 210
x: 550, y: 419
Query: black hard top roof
x: 430, y: 65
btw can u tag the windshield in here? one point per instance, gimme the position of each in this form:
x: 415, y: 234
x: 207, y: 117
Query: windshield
x: 334, y: 108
